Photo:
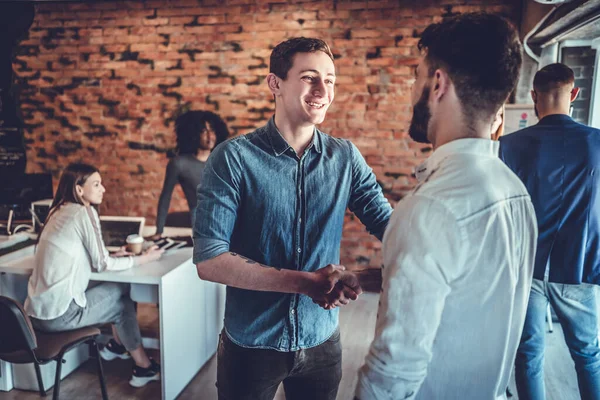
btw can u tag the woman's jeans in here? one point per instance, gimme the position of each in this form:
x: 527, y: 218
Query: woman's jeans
x: 107, y: 302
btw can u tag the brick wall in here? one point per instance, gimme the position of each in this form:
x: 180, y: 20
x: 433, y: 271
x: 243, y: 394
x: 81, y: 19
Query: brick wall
x: 99, y: 82
x: 581, y: 60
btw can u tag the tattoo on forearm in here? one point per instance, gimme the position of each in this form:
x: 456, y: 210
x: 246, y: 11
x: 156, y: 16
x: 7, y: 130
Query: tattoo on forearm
x: 249, y: 261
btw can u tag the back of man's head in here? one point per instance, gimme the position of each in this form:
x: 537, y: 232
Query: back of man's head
x: 553, y: 77
x: 482, y: 55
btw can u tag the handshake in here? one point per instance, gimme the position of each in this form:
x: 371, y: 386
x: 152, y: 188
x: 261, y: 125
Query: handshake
x: 333, y: 286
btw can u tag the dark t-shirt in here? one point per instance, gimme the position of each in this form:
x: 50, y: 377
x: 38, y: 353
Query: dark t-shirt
x: 186, y: 170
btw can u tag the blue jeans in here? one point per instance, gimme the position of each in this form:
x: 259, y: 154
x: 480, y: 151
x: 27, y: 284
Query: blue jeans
x: 576, y: 308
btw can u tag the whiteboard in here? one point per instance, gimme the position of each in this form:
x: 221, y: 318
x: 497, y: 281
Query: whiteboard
x: 518, y: 116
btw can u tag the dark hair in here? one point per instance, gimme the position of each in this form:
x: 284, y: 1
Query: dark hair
x: 282, y: 56
x: 190, y: 125
x: 75, y: 174
x: 482, y: 55
x: 552, y: 77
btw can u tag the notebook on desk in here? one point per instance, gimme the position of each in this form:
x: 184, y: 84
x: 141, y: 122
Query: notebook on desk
x: 116, y: 229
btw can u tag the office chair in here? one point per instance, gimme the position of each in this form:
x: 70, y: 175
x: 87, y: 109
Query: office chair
x: 21, y: 344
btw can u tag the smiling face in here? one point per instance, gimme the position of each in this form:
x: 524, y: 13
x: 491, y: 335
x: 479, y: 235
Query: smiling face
x: 308, y: 91
x: 92, y: 191
x: 208, y: 138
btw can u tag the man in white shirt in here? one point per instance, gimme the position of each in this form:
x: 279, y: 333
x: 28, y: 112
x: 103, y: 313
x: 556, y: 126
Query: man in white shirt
x: 459, y: 250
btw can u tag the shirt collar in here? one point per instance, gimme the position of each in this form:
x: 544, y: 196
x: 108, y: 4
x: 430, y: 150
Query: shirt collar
x: 554, y: 118
x: 279, y: 144
x: 482, y: 147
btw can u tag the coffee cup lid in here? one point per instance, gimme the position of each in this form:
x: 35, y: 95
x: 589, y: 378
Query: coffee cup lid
x: 135, y: 238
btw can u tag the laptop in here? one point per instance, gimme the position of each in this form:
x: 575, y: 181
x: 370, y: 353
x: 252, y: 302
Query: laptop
x: 116, y: 229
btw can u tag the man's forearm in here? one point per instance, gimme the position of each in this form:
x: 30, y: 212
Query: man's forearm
x: 234, y: 270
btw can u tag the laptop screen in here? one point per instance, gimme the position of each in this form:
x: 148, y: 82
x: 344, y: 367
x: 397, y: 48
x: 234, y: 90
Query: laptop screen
x: 116, y: 229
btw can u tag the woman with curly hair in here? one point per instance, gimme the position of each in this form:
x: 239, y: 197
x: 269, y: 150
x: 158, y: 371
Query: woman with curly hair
x: 198, y: 132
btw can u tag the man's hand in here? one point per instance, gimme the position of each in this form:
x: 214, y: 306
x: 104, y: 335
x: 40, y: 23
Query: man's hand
x: 369, y: 279
x: 334, y: 286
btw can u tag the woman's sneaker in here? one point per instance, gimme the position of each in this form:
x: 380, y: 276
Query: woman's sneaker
x: 142, y: 376
x: 114, y: 350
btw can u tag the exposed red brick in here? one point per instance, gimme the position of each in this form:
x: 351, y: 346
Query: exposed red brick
x: 133, y: 63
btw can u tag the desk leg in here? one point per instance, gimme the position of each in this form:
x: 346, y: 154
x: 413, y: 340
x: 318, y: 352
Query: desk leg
x: 189, y: 309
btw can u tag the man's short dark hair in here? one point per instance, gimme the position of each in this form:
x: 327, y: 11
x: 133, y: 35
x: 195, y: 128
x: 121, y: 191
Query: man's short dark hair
x: 552, y: 77
x: 282, y: 56
x: 482, y: 55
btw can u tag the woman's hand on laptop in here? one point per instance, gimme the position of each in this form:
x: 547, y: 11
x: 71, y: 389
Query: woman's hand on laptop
x: 153, y: 253
x: 154, y: 238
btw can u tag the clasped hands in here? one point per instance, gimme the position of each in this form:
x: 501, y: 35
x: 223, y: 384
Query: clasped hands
x: 334, y: 287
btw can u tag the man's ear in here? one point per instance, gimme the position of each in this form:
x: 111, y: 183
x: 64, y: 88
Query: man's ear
x: 533, y: 96
x: 273, y: 81
x: 574, y: 93
x: 440, y: 84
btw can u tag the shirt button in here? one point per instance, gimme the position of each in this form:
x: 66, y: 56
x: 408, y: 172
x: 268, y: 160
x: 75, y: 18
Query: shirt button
x: 299, y: 250
x: 293, y: 312
x: 299, y: 219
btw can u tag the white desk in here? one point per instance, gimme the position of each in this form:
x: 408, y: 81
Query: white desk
x: 190, y: 310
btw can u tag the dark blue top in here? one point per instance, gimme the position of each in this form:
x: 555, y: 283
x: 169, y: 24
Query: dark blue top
x: 559, y: 161
x: 262, y: 201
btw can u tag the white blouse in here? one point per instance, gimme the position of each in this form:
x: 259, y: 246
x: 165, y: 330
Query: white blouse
x: 70, y: 246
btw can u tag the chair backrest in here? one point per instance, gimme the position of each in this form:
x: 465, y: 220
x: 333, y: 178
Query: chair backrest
x: 16, y: 332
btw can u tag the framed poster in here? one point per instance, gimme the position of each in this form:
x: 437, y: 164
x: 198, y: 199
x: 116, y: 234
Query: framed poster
x: 518, y: 116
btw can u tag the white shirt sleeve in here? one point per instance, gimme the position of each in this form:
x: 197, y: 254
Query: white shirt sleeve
x: 422, y: 256
x: 92, y: 240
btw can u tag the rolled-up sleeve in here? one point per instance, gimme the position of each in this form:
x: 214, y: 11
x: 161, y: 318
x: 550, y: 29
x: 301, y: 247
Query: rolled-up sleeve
x: 219, y: 197
x: 366, y: 197
x: 422, y: 256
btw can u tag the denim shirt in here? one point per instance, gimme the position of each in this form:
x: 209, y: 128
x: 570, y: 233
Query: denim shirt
x: 262, y: 201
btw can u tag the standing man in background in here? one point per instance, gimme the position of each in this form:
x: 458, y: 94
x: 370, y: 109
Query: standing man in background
x: 558, y: 159
x: 458, y: 252
x: 269, y: 219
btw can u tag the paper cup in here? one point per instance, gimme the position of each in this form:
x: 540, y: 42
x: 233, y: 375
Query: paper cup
x: 135, y: 244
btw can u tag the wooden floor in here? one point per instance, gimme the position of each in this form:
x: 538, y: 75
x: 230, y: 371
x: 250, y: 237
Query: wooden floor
x: 357, y: 325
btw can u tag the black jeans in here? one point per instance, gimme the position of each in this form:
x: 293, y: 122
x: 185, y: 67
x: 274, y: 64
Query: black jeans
x: 255, y: 374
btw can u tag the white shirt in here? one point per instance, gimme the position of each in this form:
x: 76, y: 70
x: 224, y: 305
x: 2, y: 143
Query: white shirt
x: 458, y: 262
x: 69, y: 247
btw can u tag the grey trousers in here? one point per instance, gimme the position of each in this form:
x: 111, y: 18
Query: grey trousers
x: 107, y: 302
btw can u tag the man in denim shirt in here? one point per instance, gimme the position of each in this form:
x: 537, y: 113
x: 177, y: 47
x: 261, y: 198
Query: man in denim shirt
x: 558, y: 160
x: 268, y: 224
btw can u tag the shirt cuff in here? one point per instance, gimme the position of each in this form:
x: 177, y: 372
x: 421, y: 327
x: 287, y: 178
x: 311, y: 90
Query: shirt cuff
x: 206, y: 249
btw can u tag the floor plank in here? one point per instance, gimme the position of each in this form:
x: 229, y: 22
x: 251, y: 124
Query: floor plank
x: 357, y: 323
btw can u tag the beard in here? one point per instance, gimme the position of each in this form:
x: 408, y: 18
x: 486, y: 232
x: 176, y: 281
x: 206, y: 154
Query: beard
x: 420, y: 119
x: 537, y: 114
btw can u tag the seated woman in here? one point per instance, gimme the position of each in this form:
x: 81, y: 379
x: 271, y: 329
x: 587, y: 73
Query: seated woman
x: 70, y: 245
x: 198, y: 132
